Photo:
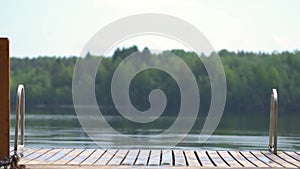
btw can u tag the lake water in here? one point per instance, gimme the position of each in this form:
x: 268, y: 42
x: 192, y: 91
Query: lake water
x: 60, y: 128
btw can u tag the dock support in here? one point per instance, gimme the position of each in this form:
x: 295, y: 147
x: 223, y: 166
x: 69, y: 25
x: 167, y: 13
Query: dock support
x: 4, y: 98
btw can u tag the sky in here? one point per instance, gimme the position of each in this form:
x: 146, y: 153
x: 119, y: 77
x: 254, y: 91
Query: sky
x: 63, y: 27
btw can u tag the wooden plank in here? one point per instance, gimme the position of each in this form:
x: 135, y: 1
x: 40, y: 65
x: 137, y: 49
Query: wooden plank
x: 131, y: 157
x: 31, y: 158
x: 143, y: 157
x: 109, y: 154
x: 118, y: 157
x: 191, y: 158
x: 93, y: 157
x: 293, y: 154
x: 266, y: 160
x: 26, y: 153
x: 84, y: 155
x: 253, y: 159
x: 4, y: 98
x: 46, y: 156
x: 167, y: 157
x: 29, y: 151
x: 278, y: 160
x: 241, y: 159
x: 61, y: 153
x: 288, y: 158
x: 214, y: 156
x: 69, y: 157
x: 229, y: 159
x: 154, y: 159
x: 179, y: 158
x: 204, y: 159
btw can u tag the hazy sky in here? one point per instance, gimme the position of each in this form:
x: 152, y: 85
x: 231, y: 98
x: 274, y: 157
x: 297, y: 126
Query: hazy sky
x: 62, y: 27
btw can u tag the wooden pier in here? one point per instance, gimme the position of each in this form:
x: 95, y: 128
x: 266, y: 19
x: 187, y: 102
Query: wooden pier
x: 145, y: 158
x: 47, y: 158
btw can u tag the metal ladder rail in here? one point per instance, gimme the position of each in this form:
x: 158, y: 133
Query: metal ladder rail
x: 20, y: 110
x: 273, y: 122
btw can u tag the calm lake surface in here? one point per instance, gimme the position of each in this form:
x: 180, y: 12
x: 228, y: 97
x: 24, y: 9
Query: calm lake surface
x: 60, y: 128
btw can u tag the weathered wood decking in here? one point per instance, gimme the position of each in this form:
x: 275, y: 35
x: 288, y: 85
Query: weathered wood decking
x: 134, y: 158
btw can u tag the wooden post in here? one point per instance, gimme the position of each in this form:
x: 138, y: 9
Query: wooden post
x: 4, y: 98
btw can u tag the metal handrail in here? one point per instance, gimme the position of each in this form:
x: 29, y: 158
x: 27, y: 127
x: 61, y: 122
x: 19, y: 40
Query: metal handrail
x: 20, y: 110
x: 273, y: 122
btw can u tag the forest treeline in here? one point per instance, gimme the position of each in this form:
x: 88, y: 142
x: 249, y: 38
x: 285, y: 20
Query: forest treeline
x: 249, y: 76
